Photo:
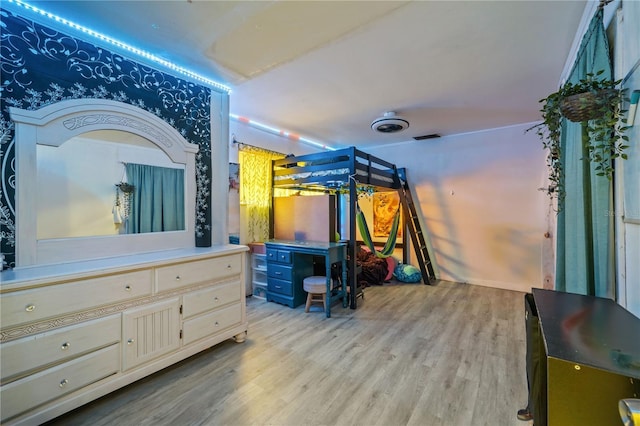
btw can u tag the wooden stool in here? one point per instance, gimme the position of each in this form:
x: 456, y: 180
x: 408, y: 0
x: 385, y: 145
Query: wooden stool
x: 316, y: 288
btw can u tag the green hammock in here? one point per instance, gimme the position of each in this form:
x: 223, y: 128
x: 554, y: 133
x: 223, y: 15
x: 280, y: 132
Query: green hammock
x: 390, y: 245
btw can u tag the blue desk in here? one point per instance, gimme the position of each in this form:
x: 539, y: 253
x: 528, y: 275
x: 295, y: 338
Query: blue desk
x: 289, y: 262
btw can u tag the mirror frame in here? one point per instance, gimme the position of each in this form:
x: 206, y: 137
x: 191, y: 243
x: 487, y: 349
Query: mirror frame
x: 55, y: 124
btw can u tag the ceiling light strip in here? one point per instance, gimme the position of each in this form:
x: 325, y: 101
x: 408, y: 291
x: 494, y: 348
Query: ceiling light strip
x: 278, y: 132
x: 122, y: 45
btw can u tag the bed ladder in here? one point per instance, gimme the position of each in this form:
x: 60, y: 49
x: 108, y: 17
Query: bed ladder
x: 415, y: 230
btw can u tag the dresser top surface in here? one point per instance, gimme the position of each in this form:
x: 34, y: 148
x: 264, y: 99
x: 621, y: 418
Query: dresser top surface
x: 590, y: 331
x: 16, y: 278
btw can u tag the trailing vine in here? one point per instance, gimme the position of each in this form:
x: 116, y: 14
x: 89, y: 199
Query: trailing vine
x: 597, y: 104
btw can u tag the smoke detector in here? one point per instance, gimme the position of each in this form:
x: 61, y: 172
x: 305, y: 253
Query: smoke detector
x: 389, y: 123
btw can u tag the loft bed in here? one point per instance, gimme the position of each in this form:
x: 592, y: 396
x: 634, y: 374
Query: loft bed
x: 333, y: 170
x: 341, y: 172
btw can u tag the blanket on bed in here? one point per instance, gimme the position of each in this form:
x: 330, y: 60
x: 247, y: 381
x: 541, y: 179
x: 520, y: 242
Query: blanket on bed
x: 374, y: 269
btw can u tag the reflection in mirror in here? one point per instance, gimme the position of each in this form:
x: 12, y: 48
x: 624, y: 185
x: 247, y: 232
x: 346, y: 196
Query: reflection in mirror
x: 156, y: 199
x: 76, y: 184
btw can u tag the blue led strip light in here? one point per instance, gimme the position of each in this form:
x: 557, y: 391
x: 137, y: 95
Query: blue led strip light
x: 279, y: 132
x: 122, y: 45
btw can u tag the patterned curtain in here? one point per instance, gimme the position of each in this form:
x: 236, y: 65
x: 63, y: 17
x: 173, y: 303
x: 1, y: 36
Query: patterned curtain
x: 256, y: 189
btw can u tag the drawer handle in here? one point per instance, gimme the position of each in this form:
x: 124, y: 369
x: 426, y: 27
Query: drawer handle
x: 127, y: 287
x: 215, y: 299
x: 63, y: 383
x: 278, y: 273
x: 130, y: 341
x: 30, y: 308
x: 216, y: 324
x: 177, y: 277
x: 65, y: 346
x: 278, y: 286
x: 228, y: 266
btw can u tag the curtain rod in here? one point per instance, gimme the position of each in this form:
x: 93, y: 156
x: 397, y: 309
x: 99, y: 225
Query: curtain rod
x: 235, y: 141
x: 603, y: 3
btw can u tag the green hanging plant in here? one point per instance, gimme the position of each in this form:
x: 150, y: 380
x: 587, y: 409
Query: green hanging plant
x: 125, y: 187
x: 595, y: 102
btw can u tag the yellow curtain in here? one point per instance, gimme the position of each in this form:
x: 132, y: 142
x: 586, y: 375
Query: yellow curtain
x: 256, y: 189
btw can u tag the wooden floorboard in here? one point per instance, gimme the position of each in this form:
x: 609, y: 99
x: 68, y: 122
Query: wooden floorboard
x: 447, y: 354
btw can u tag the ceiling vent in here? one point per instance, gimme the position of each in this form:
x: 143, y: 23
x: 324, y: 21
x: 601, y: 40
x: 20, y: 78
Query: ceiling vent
x: 389, y: 123
x: 423, y: 137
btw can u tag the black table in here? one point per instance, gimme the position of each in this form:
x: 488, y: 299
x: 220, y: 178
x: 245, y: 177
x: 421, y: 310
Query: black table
x: 592, y: 357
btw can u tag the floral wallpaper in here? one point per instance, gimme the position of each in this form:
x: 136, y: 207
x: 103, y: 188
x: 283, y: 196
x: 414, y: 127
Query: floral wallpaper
x: 40, y: 66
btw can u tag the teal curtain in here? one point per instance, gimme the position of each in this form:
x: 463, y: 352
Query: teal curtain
x: 157, y: 203
x: 585, y: 262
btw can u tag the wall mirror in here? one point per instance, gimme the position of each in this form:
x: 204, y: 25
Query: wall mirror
x: 77, y: 193
x: 69, y: 158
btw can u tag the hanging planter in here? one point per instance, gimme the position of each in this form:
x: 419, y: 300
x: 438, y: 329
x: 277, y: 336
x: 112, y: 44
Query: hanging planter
x: 127, y: 193
x: 597, y: 103
x: 587, y: 105
x: 125, y: 187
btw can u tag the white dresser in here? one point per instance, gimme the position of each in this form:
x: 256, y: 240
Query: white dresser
x: 71, y: 333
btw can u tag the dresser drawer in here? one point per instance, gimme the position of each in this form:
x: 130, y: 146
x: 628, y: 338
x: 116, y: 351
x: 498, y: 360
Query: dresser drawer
x: 280, y: 286
x: 211, y: 323
x: 34, y: 352
x: 280, y: 272
x: 36, y: 304
x: 200, y: 271
x: 210, y: 298
x: 282, y: 256
x: 55, y: 382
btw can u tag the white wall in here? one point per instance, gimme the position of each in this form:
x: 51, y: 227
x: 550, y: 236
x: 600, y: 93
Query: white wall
x: 625, y: 31
x: 483, y: 213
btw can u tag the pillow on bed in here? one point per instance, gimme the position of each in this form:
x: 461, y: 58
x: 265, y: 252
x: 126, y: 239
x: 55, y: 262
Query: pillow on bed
x: 407, y: 273
x: 391, y: 266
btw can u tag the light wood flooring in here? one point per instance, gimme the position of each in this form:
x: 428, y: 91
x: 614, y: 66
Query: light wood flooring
x: 448, y: 354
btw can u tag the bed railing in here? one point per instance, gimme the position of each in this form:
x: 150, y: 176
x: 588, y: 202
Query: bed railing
x: 332, y: 170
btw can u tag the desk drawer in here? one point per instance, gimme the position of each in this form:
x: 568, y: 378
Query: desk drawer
x: 33, y: 305
x: 55, y: 382
x: 210, y: 298
x: 272, y: 255
x: 200, y: 271
x: 280, y: 286
x: 33, y: 352
x: 280, y: 272
x: 282, y: 256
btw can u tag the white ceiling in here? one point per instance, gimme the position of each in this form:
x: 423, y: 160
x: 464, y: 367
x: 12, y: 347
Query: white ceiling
x: 327, y: 69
